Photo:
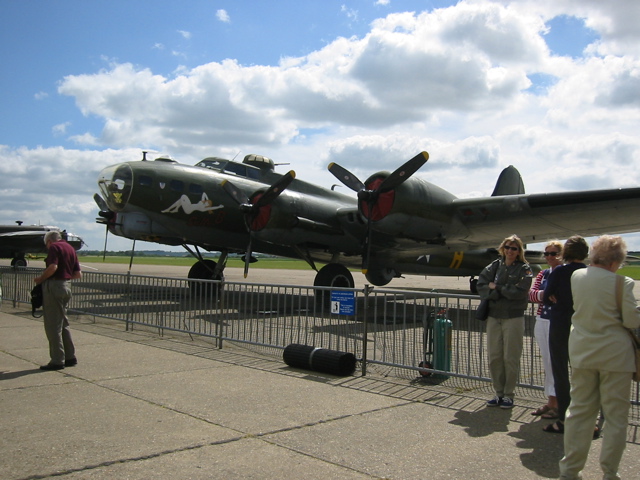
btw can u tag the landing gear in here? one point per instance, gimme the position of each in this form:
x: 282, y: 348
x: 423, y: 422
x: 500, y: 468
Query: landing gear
x: 204, y: 270
x: 331, y: 275
x: 334, y: 275
x: 19, y: 262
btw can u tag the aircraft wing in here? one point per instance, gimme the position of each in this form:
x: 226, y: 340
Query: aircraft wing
x: 539, y: 217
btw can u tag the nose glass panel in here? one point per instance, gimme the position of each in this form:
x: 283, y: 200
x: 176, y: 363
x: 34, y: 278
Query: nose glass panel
x: 115, y: 183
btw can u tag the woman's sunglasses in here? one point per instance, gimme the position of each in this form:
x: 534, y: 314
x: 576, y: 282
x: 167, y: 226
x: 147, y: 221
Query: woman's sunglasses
x: 514, y: 249
x: 553, y: 254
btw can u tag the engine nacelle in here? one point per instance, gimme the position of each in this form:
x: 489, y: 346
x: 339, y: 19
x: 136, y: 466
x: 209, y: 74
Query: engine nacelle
x: 380, y: 276
x: 414, y: 209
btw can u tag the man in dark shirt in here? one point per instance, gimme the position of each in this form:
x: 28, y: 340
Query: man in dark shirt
x: 61, y: 267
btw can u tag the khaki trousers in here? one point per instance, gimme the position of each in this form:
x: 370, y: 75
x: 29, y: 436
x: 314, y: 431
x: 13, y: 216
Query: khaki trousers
x: 56, y: 296
x: 504, y: 338
x: 591, y: 390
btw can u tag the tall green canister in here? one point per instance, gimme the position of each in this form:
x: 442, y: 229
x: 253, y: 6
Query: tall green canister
x: 442, y: 330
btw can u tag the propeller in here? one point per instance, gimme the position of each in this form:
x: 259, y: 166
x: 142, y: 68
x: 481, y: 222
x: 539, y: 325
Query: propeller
x: 105, y: 214
x: 370, y: 196
x: 256, y: 214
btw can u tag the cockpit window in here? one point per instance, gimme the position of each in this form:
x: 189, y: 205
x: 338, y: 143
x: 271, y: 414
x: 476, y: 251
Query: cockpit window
x: 233, y: 168
x: 236, y: 168
x: 212, y: 163
x: 253, y: 173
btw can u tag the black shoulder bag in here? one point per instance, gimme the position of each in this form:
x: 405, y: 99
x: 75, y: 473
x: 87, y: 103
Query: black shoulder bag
x: 482, y: 312
x: 36, y: 300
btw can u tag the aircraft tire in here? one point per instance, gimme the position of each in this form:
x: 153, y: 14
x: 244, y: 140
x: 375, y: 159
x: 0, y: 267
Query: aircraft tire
x: 203, y: 270
x: 331, y: 275
x: 19, y: 262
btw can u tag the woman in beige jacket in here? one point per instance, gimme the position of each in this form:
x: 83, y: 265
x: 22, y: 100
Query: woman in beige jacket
x: 602, y: 359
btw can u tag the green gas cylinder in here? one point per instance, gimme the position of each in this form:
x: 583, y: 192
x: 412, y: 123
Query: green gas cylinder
x: 442, y: 329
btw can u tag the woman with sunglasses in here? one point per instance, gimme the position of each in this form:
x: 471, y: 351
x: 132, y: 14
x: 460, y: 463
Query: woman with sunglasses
x: 505, y: 283
x: 553, y: 257
x: 558, y: 294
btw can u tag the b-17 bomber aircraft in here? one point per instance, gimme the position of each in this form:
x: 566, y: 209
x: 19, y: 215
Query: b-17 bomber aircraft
x: 18, y: 240
x: 396, y: 223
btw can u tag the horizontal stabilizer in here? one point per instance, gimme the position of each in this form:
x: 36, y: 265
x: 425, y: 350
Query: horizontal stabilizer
x: 509, y: 183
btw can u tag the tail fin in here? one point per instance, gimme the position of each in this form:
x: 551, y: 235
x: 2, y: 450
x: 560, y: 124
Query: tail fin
x: 509, y: 183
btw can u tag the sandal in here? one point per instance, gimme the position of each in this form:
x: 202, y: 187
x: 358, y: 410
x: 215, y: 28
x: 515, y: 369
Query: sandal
x: 541, y: 411
x: 551, y: 414
x: 555, y: 427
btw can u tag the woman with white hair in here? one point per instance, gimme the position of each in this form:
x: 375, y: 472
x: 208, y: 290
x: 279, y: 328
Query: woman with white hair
x: 602, y: 358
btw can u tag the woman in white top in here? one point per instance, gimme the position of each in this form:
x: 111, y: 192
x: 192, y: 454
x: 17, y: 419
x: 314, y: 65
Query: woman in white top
x: 553, y: 257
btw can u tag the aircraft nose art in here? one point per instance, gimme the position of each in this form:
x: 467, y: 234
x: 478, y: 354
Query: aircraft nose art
x: 115, y: 183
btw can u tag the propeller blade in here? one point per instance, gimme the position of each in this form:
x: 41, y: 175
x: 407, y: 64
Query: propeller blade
x: 251, y: 211
x: 247, y: 257
x: 400, y: 175
x: 102, y: 204
x: 403, y: 172
x: 234, y: 192
x: 366, y: 250
x: 346, y: 177
x: 276, y: 189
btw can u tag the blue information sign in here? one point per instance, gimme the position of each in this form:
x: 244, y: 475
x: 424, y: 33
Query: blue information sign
x: 343, y: 302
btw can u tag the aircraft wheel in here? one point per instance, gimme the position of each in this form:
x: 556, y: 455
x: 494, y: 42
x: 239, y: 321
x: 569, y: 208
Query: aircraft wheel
x: 203, y: 270
x: 334, y: 275
x: 19, y: 262
x: 331, y: 275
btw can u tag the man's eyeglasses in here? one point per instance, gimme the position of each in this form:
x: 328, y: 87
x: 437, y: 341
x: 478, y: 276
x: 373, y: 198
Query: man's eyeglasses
x: 553, y: 254
x: 513, y: 249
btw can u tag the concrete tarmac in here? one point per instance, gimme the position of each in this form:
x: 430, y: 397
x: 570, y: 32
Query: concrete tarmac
x: 140, y: 406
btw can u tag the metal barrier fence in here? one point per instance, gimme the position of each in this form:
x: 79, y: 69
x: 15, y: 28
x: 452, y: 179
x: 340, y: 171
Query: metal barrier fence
x: 430, y: 336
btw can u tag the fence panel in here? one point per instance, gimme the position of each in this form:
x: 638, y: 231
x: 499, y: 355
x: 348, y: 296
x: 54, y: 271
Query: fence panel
x: 408, y: 334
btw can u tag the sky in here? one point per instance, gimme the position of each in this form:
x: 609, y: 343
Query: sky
x: 550, y: 87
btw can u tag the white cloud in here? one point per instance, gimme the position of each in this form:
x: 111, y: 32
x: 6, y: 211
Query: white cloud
x: 61, y: 128
x: 186, y: 35
x: 86, y: 139
x: 452, y: 81
x: 223, y: 16
x: 350, y: 13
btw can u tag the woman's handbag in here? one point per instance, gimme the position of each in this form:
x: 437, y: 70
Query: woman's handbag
x: 634, y: 339
x: 482, y: 313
